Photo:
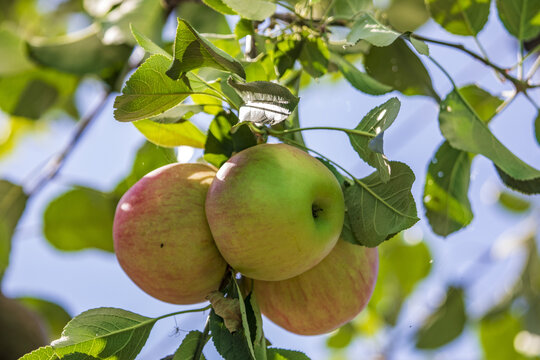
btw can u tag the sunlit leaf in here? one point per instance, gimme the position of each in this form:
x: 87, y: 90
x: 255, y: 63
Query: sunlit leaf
x: 252, y: 9
x: 189, y: 345
x: 43, y: 353
x: 53, y: 315
x: 147, y: 44
x: 497, y: 334
x: 220, y: 6
x: 283, y: 354
x: 376, y: 122
x: 342, y: 338
x: 461, y: 17
x: 314, y: 56
x: 14, y: 45
x: 513, y: 202
x: 346, y: 9
x: 367, y: 28
x: 359, y: 79
x: 172, y: 134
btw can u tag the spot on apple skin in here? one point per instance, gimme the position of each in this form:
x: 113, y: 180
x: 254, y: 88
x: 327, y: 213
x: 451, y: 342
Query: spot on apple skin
x: 161, y: 245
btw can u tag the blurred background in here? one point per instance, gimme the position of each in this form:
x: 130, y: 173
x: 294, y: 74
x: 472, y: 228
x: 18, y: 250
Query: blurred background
x: 475, y: 293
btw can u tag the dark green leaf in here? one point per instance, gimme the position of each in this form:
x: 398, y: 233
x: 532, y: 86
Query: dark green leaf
x: 187, y: 349
x: 232, y: 346
x: 247, y: 327
x: 285, y: 54
x: 148, y: 158
x: 445, y: 324
x: 359, y: 79
x: 79, y: 219
x: 375, y: 122
x: 377, y: 210
x: 346, y: 9
x: 147, y: 44
x: 254, y: 321
x: 149, y: 92
x: 465, y: 131
x: 53, y: 315
x: 81, y: 53
x: 342, y: 338
x: 43, y: 353
x: 401, y: 267
x: 367, y: 28
x: 252, y: 9
x: 104, y: 333
x: 243, y: 28
x: 419, y: 45
x: 12, y: 204
x: 192, y: 51
x: 461, y: 17
x: 37, y: 97
x: 497, y: 334
x: 283, y: 354
x: 221, y: 144
x: 513, y: 203
x: 264, y: 102
x: 219, y: 6
x: 520, y: 17
x: 171, y: 135
x: 314, y: 56
x: 397, y: 66
x: 446, y: 190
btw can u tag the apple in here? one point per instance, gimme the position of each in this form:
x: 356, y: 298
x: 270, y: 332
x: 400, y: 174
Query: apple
x: 22, y: 330
x: 274, y: 211
x: 161, y: 236
x: 324, y: 297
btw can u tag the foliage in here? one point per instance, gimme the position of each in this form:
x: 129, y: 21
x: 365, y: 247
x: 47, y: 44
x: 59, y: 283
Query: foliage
x: 247, y: 82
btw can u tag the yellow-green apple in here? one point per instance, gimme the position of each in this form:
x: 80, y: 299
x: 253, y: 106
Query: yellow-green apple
x: 21, y: 330
x: 324, y: 297
x: 161, y: 236
x: 274, y: 211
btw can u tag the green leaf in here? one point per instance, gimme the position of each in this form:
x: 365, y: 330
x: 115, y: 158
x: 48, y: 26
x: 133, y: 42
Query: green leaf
x: 401, y: 267
x: 377, y: 210
x: 149, y: 157
x: 419, y: 45
x: 367, y: 28
x: 243, y: 28
x: 359, y: 79
x: 227, y: 308
x: 460, y: 17
x: 465, y: 131
x: 149, y: 91
x: 43, y: 353
x: 12, y: 205
x: 17, y: 61
x: 99, y: 8
x: 342, y: 338
x: 484, y: 104
x: 513, y: 203
x: 497, y: 334
x: 246, y: 325
x: 220, y: 6
x: 53, y: 315
x: 171, y: 135
x: 446, y: 190
x: 255, y: 323
x: 79, y: 53
x: 314, y: 56
x: 202, y: 18
x: 147, y: 44
x: 232, y: 346
x: 376, y: 122
x: 264, y: 102
x: 178, y: 113
x: 520, y: 17
x: 145, y: 15
x: 283, y: 354
x: 252, y: 9
x: 285, y: 54
x: 397, y: 66
x: 79, y: 219
x: 104, y: 333
x: 221, y: 144
x: 445, y: 324
x: 187, y: 349
x: 346, y: 9
x: 192, y: 51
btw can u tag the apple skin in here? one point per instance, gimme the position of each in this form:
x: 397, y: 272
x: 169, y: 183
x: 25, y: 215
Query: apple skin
x: 161, y: 236
x: 260, y: 211
x: 326, y: 296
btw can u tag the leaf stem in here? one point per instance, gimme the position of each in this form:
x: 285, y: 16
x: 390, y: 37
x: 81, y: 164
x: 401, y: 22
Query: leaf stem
x: 208, y: 307
x: 345, y: 130
x: 222, y: 95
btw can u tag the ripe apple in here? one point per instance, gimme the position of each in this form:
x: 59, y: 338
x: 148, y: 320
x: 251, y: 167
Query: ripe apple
x: 22, y: 330
x: 274, y: 211
x: 324, y: 297
x: 161, y: 236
